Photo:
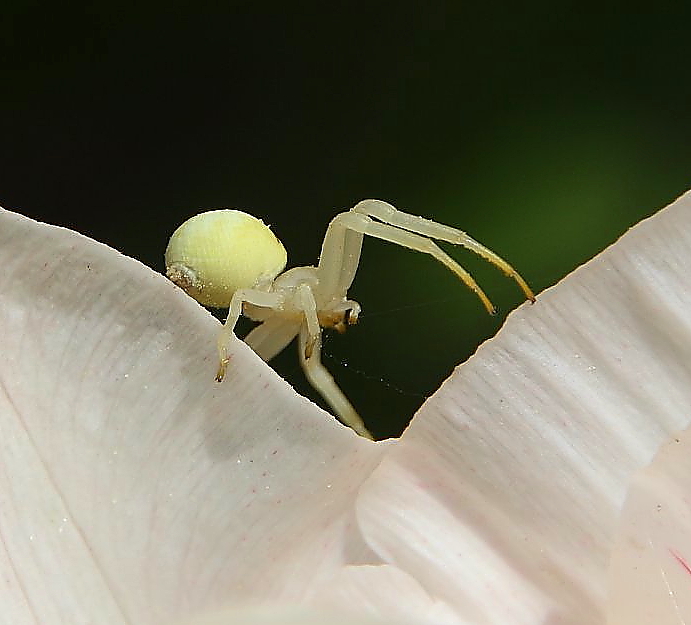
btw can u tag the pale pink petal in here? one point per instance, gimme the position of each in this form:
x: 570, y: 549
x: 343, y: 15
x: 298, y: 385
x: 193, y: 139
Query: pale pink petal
x: 290, y: 615
x: 137, y: 490
x: 134, y: 488
x: 502, y: 498
x: 650, y: 574
x: 385, y: 591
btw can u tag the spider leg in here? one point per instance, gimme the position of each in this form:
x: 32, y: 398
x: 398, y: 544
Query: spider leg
x: 272, y: 336
x: 323, y: 381
x: 251, y: 296
x: 339, y: 258
x: 364, y: 224
x: 309, y: 308
x: 428, y: 228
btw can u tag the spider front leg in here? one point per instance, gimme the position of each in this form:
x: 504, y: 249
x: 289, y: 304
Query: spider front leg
x: 433, y: 230
x: 318, y: 376
x: 309, y: 347
x: 343, y: 243
x: 251, y: 296
x: 309, y: 308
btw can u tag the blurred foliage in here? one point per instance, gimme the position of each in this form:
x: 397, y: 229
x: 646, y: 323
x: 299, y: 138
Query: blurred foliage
x: 544, y: 130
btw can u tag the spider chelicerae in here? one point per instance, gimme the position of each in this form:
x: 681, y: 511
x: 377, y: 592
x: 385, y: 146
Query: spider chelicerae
x: 227, y: 258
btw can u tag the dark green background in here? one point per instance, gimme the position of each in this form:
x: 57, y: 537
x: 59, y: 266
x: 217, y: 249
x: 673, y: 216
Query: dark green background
x: 544, y: 130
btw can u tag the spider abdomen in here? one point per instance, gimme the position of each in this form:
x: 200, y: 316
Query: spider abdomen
x: 214, y: 254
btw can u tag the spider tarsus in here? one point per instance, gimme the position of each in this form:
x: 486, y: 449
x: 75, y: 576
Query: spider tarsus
x: 527, y: 291
x: 222, y: 370
x: 365, y: 433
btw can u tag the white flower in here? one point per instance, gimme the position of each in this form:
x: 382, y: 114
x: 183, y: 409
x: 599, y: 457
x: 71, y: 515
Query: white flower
x: 134, y: 489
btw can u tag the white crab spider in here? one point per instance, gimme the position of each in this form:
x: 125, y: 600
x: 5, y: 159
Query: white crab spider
x: 227, y: 258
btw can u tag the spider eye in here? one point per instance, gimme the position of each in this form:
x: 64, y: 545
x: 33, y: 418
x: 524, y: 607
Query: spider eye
x: 215, y: 253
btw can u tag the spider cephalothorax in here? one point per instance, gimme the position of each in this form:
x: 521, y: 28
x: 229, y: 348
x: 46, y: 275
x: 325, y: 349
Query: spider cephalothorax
x: 227, y: 258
